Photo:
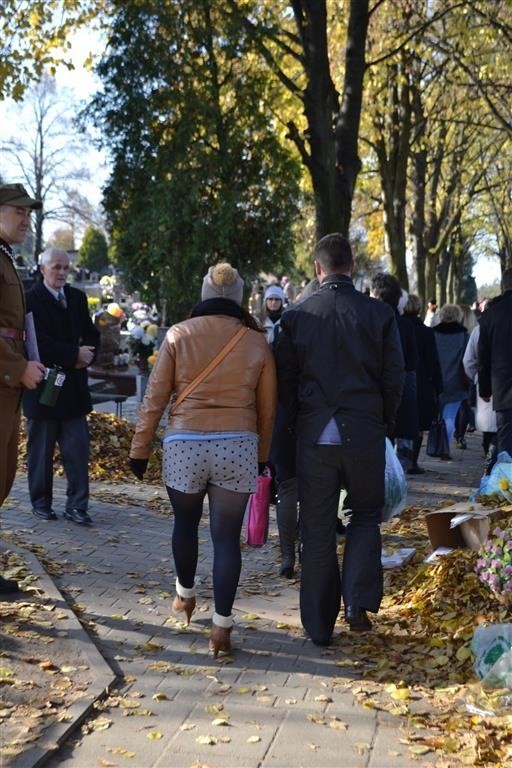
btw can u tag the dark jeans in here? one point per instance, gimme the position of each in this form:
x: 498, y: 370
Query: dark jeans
x: 322, y: 470
x: 463, y: 419
x: 504, y: 424
x: 287, y: 514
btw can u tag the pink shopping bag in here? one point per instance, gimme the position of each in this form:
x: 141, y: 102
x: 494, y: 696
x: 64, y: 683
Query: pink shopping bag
x: 257, y: 511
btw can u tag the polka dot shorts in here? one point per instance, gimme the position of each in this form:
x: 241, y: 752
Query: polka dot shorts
x: 230, y: 463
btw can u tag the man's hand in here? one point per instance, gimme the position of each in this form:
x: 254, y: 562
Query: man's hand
x: 138, y: 467
x: 33, y: 374
x: 85, y: 357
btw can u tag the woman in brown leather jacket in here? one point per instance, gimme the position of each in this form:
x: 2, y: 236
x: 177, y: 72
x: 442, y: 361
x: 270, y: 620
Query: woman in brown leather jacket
x: 217, y: 438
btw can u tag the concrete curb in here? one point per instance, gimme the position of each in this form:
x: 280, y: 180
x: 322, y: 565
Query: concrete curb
x: 104, y: 677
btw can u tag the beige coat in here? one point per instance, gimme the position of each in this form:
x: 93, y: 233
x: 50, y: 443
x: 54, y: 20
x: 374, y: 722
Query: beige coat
x: 239, y: 395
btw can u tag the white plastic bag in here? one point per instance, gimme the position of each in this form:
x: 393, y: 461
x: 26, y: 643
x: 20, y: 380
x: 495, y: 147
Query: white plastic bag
x: 395, y: 485
x: 499, y: 482
x: 492, y: 647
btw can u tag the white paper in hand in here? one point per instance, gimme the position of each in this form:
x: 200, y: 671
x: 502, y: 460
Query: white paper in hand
x: 31, y: 338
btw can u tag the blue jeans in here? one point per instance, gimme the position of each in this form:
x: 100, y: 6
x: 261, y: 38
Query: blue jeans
x: 504, y: 424
x: 450, y: 411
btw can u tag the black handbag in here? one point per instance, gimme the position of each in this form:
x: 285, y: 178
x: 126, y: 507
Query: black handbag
x: 437, y: 443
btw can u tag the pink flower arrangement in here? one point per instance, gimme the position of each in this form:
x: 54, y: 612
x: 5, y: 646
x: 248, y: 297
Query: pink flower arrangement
x: 494, y: 564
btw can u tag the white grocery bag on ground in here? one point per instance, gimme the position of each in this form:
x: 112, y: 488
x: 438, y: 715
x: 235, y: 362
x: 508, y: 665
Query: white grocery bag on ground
x: 492, y: 647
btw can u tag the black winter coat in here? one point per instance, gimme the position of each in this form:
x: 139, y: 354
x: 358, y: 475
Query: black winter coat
x: 339, y: 355
x: 407, y: 425
x: 495, y: 353
x: 429, y: 382
x: 59, y: 334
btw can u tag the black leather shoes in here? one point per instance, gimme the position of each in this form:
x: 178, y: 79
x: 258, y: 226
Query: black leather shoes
x: 287, y: 571
x: 78, y: 516
x: 357, y: 619
x: 44, y: 513
x: 415, y: 470
x: 8, y: 586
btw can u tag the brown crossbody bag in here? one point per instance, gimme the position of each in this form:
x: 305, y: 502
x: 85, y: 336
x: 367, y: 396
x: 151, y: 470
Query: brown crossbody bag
x: 209, y: 368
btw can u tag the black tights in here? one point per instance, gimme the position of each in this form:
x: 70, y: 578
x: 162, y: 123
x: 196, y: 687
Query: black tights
x: 227, y: 510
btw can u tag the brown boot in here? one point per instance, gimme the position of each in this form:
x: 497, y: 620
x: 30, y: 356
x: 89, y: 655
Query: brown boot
x: 220, y: 636
x: 184, y: 605
x: 185, y: 601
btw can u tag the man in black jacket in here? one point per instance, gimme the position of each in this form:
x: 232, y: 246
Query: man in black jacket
x: 340, y: 373
x: 67, y: 339
x: 495, y: 361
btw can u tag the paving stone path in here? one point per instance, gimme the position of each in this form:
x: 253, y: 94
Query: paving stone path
x: 118, y: 576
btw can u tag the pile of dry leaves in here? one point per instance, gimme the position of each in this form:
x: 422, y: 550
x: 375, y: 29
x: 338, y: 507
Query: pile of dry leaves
x: 110, y: 447
x: 418, y: 665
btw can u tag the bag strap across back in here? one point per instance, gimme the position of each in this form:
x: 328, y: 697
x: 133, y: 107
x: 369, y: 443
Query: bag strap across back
x: 211, y: 365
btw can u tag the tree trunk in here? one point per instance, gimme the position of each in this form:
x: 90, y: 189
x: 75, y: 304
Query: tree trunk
x: 392, y: 148
x: 431, y: 275
x: 419, y: 175
x: 505, y: 253
x: 38, y: 233
x: 442, y: 275
x: 394, y: 228
x: 348, y: 163
x: 333, y: 160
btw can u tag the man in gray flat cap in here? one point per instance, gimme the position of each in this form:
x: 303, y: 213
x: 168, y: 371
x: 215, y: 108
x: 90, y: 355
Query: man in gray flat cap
x: 16, y: 372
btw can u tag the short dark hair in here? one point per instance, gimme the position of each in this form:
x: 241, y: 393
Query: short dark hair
x: 334, y: 254
x: 506, y: 279
x: 386, y: 288
x: 413, y: 306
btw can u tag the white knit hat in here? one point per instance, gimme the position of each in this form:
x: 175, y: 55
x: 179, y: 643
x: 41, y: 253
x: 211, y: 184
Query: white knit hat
x: 223, y: 282
x: 274, y: 292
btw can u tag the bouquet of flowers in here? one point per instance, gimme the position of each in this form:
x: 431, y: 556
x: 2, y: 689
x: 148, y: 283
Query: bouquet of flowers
x: 494, y: 564
x: 142, y: 343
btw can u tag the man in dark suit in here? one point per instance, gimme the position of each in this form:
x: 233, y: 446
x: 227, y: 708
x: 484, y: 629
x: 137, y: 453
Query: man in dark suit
x: 340, y: 373
x: 67, y: 340
x: 495, y: 361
